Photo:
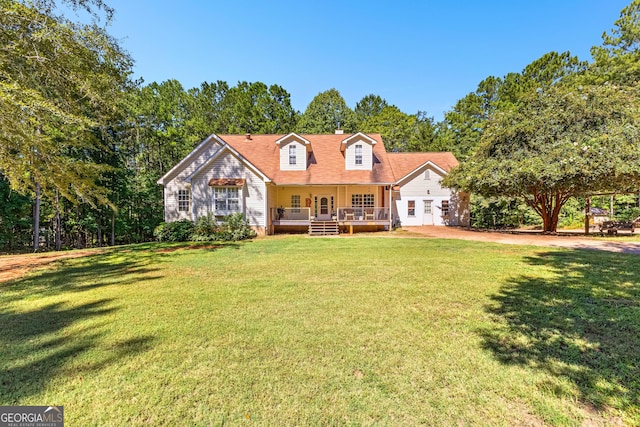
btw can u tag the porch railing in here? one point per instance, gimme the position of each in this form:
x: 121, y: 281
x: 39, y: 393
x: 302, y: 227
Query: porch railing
x: 342, y: 214
x: 291, y: 214
x: 363, y: 214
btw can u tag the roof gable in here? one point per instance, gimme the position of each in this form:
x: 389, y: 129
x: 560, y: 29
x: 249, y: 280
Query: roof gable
x: 357, y: 137
x: 226, y: 148
x: 406, y: 164
x: 192, y: 156
x: 293, y: 137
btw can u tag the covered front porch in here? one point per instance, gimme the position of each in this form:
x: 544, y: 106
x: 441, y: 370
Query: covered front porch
x: 348, y: 209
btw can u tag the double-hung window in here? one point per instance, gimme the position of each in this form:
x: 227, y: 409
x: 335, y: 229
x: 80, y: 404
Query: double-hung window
x: 292, y: 154
x: 226, y: 200
x: 358, y: 153
x: 184, y: 200
x: 295, y: 203
x: 411, y: 208
x: 445, y: 208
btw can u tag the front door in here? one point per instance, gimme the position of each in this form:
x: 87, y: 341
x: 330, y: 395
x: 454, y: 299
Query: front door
x: 427, y: 212
x: 324, y: 208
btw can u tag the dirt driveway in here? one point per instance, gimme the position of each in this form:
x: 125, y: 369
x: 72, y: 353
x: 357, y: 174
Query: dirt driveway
x: 621, y: 244
x: 14, y: 266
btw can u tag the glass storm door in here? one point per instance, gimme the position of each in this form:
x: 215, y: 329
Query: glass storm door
x: 427, y: 218
x: 324, y: 213
x: 324, y: 206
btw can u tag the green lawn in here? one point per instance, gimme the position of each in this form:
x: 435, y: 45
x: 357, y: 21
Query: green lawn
x: 310, y: 331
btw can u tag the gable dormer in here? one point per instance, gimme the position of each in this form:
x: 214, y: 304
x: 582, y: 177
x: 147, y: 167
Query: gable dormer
x: 358, y: 152
x: 294, y: 151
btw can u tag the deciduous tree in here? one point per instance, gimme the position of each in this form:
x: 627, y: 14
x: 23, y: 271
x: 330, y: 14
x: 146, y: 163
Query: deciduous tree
x: 327, y: 112
x: 559, y: 142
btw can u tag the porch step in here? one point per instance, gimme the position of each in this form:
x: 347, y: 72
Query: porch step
x: 323, y: 228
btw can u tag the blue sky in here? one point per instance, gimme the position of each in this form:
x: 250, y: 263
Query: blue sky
x: 418, y: 55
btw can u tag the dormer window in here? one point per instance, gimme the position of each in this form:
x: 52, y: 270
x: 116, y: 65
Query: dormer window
x: 358, y: 152
x: 292, y: 154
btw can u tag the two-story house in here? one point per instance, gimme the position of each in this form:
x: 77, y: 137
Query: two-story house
x: 320, y: 183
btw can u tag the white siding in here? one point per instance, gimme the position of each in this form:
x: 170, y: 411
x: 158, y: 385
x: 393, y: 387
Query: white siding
x: 417, y: 185
x: 419, y: 189
x: 301, y: 156
x: 350, y: 156
x: 177, y: 183
x: 228, y: 166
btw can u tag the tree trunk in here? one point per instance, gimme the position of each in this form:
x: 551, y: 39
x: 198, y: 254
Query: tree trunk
x: 548, y: 207
x: 113, y: 228
x: 587, y: 212
x: 611, y: 214
x: 58, y: 243
x: 36, y: 219
x: 79, y: 236
x: 99, y: 236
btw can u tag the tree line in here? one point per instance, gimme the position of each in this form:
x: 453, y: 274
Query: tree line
x: 82, y: 144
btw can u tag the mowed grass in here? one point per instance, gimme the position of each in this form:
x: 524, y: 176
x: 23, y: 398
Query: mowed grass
x: 338, y: 331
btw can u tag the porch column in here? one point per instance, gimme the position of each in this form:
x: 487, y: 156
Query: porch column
x: 390, y: 208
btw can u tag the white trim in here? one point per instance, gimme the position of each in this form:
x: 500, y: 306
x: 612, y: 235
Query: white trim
x: 422, y: 166
x: 218, y: 154
x: 164, y: 179
x: 296, y: 136
x: 241, y: 196
x: 359, y: 135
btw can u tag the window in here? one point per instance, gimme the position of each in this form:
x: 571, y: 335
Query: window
x: 292, y: 154
x: 427, y: 174
x: 362, y: 201
x: 358, y: 154
x: 368, y: 200
x: 427, y: 207
x: 184, y: 200
x: 445, y: 208
x: 295, y: 203
x: 226, y: 200
x: 411, y: 208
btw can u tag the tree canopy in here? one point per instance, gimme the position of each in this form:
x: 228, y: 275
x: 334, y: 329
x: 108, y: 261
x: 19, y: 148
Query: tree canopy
x: 557, y: 143
x: 60, y: 83
x: 327, y: 112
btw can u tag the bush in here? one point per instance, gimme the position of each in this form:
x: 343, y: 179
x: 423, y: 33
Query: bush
x: 236, y: 227
x: 233, y: 228
x: 177, y: 231
x: 205, y: 229
x: 500, y: 213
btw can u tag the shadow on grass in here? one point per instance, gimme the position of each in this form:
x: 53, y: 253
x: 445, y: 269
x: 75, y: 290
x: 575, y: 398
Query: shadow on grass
x: 120, y: 266
x: 35, y: 350
x: 577, y: 318
x: 43, y: 343
x: 72, y: 337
